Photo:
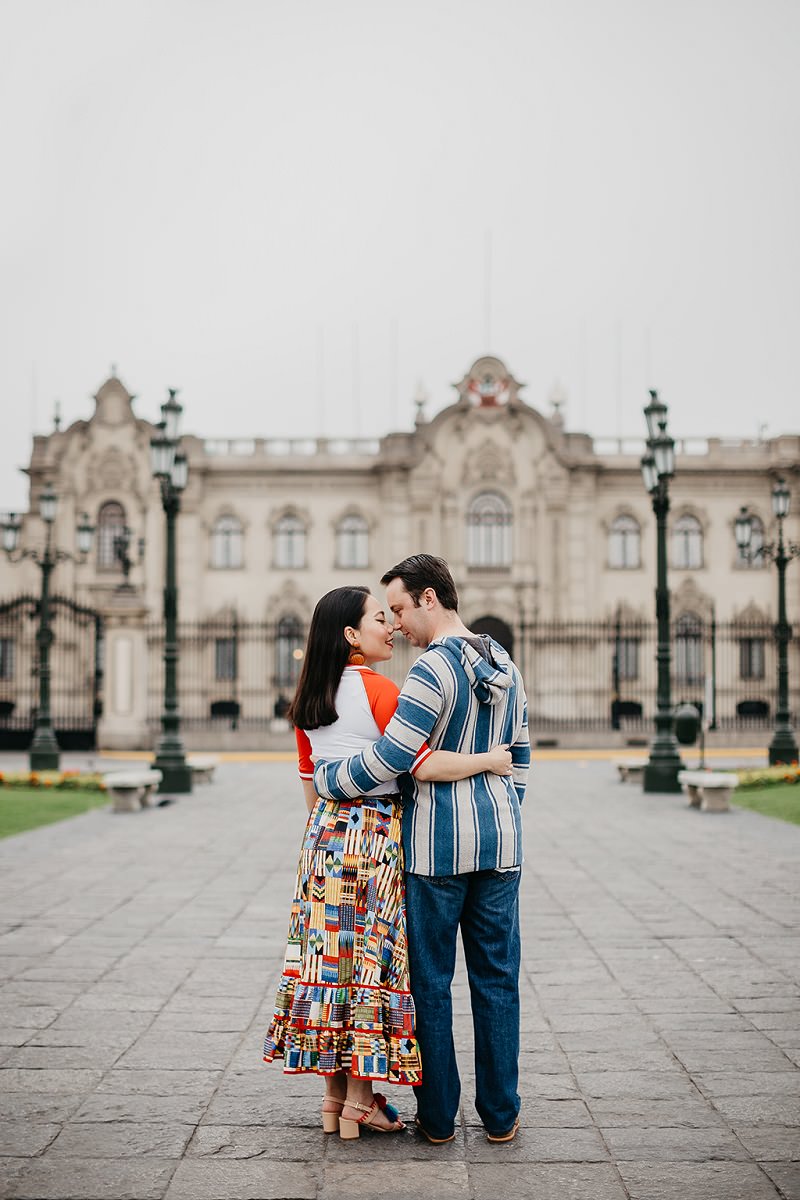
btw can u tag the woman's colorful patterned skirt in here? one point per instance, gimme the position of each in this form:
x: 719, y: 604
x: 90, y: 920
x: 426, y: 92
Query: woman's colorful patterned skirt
x: 343, y: 1002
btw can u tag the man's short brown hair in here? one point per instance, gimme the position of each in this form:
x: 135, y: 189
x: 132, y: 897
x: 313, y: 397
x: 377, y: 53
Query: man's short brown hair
x: 421, y: 571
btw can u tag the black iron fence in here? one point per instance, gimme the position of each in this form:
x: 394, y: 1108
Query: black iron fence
x: 76, y: 665
x: 578, y: 674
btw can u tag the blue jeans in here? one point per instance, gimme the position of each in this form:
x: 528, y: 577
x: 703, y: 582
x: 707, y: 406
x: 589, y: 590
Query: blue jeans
x: 485, y: 905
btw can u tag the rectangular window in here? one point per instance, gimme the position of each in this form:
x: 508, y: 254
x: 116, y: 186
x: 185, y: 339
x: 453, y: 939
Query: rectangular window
x: 628, y: 658
x: 7, y: 658
x: 751, y: 658
x: 688, y: 659
x: 225, y: 658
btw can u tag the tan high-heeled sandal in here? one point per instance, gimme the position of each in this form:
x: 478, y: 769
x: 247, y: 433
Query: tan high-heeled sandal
x: 350, y: 1129
x: 330, y: 1119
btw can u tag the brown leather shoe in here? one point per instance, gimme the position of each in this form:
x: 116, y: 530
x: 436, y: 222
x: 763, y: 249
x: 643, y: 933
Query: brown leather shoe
x: 505, y: 1137
x: 433, y: 1141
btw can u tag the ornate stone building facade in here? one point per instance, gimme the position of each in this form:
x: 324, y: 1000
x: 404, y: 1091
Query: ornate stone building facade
x: 549, y: 534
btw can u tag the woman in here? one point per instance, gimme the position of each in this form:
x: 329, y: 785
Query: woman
x: 343, y: 1008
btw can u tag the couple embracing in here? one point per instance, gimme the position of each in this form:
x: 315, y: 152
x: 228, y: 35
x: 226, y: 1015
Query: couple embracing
x: 389, y: 871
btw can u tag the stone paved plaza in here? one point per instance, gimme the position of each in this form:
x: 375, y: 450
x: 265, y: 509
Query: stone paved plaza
x: 661, y: 1007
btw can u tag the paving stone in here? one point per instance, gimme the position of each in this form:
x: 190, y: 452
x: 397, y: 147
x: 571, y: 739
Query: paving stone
x: 407, y: 1146
x: 103, y: 999
x: 751, y: 1083
x: 770, y: 1143
x: 96, y: 1056
x: 776, y: 1020
x: 38, y: 1106
x: 176, y: 1049
x: 672, y: 1145
x: 765, y: 1004
x: 201, y: 1020
x: 544, y: 1114
x: 24, y: 1079
x: 10, y: 1171
x: 759, y: 1110
x: 153, y: 1082
x: 199, y: 1179
x: 786, y: 1175
x: 24, y: 1138
x: 706, y: 1181
x: 539, y: 1145
x: 445, y: 1181
x: 654, y: 1085
x: 538, y: 1086
x: 257, y: 1110
x: 656, y: 1058
x: 141, y: 1108
x: 27, y: 1016
x: 658, y: 1114
x: 10, y: 1036
x: 698, y: 1060
x: 556, y: 1181
x: 54, y: 1177
x: 260, y: 1141
x: 111, y: 1139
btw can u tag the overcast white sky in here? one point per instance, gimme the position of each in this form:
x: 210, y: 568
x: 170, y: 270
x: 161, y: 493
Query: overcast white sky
x: 286, y: 209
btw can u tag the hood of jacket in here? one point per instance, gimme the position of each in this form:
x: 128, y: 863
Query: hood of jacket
x: 489, y: 680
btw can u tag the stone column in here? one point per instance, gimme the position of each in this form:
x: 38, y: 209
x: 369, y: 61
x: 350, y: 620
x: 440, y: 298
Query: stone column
x: 123, y: 725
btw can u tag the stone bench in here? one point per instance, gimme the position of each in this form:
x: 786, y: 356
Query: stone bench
x: 131, y: 790
x: 202, y: 767
x: 631, y: 770
x: 710, y: 791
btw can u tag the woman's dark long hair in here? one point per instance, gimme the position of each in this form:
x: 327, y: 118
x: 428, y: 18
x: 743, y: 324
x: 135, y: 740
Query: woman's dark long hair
x: 327, y: 651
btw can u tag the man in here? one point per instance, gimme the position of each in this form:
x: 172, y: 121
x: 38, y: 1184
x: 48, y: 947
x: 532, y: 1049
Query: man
x: 462, y: 843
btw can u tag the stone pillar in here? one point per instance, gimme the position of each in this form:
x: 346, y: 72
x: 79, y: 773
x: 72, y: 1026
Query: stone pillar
x: 123, y: 725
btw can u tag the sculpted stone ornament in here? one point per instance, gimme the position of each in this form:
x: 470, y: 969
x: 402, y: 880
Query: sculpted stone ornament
x: 490, y: 464
x: 488, y: 385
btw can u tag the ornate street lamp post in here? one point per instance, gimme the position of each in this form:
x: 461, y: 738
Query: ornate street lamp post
x: 44, y: 754
x: 783, y: 747
x: 658, y: 467
x: 171, y: 470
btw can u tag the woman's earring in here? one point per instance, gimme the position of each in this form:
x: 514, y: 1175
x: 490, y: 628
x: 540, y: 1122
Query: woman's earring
x: 356, y: 658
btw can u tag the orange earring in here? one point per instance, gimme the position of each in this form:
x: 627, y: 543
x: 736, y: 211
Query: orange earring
x: 355, y: 658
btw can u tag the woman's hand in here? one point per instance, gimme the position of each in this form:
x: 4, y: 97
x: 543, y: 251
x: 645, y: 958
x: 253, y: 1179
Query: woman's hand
x: 499, y: 760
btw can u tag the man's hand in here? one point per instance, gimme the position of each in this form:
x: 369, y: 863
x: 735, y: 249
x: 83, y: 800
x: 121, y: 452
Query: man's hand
x: 499, y: 760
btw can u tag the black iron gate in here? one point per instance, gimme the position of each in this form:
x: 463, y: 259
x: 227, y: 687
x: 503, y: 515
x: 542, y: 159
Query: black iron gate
x: 76, y: 665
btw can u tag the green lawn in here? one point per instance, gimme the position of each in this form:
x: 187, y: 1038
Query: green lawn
x: 27, y: 808
x: 781, y: 800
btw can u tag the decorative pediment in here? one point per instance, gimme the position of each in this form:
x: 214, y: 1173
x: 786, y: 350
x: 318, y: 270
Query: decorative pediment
x: 689, y: 598
x: 288, y: 598
x: 751, y: 614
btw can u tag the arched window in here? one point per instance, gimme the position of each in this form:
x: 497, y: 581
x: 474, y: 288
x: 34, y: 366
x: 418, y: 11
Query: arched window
x: 489, y: 521
x: 751, y: 558
x: 290, y: 542
x: 687, y: 543
x: 110, y: 524
x: 352, y: 542
x: 288, y: 652
x: 689, y: 667
x: 624, y: 540
x: 226, y: 543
